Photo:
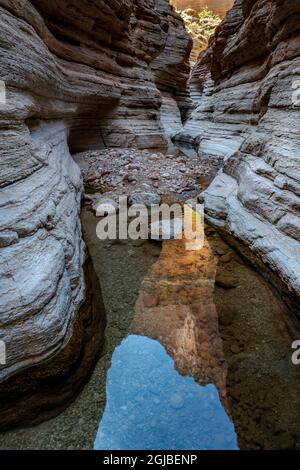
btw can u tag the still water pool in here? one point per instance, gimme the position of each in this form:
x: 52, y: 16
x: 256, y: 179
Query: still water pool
x: 151, y: 406
x: 197, y: 354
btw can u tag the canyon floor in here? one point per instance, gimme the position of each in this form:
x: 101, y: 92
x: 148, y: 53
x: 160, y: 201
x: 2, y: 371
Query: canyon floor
x: 146, y: 343
x: 220, y: 322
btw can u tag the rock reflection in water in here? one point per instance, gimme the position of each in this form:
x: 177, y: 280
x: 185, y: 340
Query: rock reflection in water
x: 151, y: 406
x: 176, y: 307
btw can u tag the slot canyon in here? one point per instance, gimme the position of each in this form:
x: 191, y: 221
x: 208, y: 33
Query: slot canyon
x: 142, y: 343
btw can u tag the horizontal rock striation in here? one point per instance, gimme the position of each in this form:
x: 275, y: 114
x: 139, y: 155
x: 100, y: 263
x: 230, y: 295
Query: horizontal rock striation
x: 44, y: 390
x: 247, y: 111
x: 75, y: 75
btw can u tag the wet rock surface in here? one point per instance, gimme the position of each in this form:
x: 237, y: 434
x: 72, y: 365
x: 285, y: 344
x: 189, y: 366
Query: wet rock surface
x: 257, y: 332
x: 250, y: 327
x: 176, y: 307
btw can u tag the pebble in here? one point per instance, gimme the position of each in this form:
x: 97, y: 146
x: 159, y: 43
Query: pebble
x: 131, y: 179
x: 150, y: 300
x: 226, y: 280
x: 146, y: 199
x: 118, y: 171
x: 176, y: 401
x: 103, y: 206
x: 235, y: 349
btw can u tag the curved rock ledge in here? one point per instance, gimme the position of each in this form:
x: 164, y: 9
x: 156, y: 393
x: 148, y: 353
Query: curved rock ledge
x: 41, y: 392
x: 78, y: 75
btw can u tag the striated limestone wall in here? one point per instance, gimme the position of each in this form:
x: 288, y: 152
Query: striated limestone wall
x: 78, y: 75
x: 247, y: 112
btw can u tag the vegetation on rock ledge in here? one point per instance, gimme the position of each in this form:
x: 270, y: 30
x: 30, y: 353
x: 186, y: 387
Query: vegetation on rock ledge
x: 201, y: 25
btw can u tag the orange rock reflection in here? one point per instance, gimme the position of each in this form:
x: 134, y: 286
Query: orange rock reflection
x: 176, y: 307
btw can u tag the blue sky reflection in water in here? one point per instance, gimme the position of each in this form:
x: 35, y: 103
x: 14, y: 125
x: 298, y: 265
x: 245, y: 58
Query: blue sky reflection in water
x: 151, y: 406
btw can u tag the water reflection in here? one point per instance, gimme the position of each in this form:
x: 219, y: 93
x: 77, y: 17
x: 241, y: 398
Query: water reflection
x: 149, y: 403
x: 176, y: 307
x: 209, y: 344
x: 151, y: 406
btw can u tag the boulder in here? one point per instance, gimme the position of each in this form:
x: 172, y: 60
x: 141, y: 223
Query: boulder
x: 145, y: 199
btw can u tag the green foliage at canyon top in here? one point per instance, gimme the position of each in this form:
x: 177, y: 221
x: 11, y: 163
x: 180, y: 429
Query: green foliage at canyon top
x: 201, y: 25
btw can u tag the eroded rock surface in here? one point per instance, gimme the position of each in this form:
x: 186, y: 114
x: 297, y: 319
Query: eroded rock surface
x: 78, y: 75
x: 247, y: 111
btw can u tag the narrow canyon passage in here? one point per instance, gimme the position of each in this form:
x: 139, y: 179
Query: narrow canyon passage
x: 149, y: 342
x: 183, y: 366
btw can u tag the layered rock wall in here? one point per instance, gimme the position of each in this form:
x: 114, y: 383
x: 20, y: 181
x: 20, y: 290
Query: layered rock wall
x: 78, y: 75
x: 248, y: 112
